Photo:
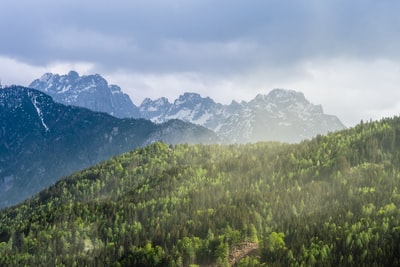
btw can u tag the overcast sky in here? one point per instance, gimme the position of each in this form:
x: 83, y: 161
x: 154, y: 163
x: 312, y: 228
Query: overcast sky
x: 342, y: 54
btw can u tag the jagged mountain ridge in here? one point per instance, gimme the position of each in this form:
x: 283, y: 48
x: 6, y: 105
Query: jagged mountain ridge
x: 281, y: 115
x: 41, y: 140
x: 89, y: 91
x: 190, y: 107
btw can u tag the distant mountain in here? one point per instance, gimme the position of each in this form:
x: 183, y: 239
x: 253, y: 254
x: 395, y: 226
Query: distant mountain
x: 190, y: 107
x: 282, y: 115
x: 91, y: 91
x: 41, y: 140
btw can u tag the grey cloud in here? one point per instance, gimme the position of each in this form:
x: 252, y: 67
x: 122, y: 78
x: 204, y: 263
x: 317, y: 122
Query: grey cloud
x: 204, y: 36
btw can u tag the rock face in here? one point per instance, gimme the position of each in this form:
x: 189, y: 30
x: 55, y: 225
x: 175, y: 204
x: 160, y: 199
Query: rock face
x: 282, y: 115
x: 41, y: 140
x: 189, y: 107
x: 92, y: 92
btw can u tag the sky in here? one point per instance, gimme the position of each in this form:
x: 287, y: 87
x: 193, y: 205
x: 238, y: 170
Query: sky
x: 341, y: 54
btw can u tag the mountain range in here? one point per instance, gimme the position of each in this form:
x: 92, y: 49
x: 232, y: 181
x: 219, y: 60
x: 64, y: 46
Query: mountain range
x: 41, y: 140
x: 281, y: 115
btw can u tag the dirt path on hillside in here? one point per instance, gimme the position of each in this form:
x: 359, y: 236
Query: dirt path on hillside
x: 241, y: 251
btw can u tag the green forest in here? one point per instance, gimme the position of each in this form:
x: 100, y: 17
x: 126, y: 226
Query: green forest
x: 330, y: 201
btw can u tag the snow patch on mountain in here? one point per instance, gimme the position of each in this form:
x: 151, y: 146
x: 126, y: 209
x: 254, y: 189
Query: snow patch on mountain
x: 39, y: 112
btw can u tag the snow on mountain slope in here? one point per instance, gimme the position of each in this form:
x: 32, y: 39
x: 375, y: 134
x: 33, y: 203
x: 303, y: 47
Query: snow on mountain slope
x: 189, y: 107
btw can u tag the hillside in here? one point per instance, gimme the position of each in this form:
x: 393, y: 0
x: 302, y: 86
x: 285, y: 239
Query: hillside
x: 330, y: 201
x: 41, y: 140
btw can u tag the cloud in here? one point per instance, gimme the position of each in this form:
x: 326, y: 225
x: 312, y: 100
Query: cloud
x: 174, y: 36
x: 352, y: 89
x: 13, y: 71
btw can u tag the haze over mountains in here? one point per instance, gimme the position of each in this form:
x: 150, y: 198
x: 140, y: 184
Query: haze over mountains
x: 282, y: 115
x: 41, y: 140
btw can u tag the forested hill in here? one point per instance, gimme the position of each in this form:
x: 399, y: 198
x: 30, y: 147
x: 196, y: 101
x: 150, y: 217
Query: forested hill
x: 331, y: 201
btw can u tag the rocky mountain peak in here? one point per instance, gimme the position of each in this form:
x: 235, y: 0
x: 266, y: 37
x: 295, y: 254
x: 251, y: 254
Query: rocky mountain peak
x: 281, y: 96
x: 280, y: 93
x: 188, y: 98
x: 73, y: 75
x: 45, y: 77
x: 89, y: 91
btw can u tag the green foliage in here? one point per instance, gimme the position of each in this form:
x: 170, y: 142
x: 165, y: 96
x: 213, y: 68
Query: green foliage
x: 273, y: 246
x: 250, y: 262
x: 329, y: 201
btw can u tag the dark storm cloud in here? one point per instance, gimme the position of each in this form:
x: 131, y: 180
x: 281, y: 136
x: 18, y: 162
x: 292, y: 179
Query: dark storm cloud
x: 202, y: 36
